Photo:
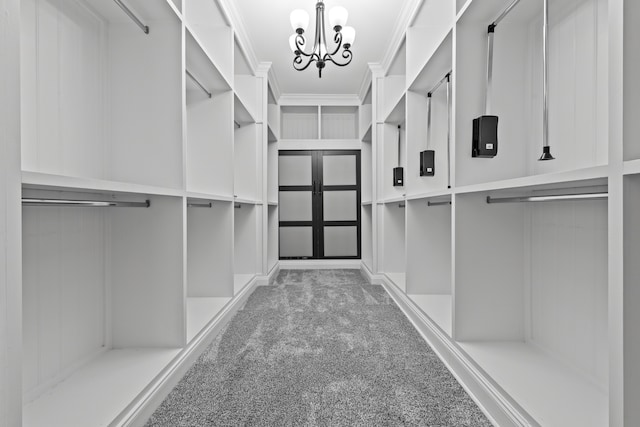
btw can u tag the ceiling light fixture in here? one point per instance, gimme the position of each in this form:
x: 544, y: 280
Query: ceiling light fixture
x: 343, y: 38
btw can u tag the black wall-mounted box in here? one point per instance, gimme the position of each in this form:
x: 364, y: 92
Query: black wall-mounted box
x: 427, y: 163
x: 485, y: 136
x: 398, y: 177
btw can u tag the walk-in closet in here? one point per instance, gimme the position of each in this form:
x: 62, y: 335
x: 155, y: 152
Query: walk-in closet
x: 480, y: 162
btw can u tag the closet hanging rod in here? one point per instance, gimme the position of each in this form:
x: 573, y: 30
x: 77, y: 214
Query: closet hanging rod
x: 200, y: 205
x: 237, y: 206
x: 196, y: 81
x: 504, y: 13
x: 444, y: 79
x: 131, y: 15
x: 236, y: 124
x: 549, y: 198
x: 438, y: 203
x: 401, y: 205
x: 84, y: 203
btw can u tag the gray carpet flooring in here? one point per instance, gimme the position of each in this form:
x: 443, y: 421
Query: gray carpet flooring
x: 318, y: 348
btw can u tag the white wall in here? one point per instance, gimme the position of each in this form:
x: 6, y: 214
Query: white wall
x: 10, y: 222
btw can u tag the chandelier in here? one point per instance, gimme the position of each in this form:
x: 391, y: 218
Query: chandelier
x: 343, y: 38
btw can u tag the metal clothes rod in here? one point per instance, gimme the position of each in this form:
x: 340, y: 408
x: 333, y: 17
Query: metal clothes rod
x: 401, y: 205
x: 448, y: 78
x: 504, y: 13
x: 490, y: 33
x: 130, y: 14
x: 200, y: 205
x: 550, y: 198
x: 444, y: 202
x: 84, y: 203
x: 444, y: 79
x: 196, y: 81
x: 236, y: 124
x: 237, y: 206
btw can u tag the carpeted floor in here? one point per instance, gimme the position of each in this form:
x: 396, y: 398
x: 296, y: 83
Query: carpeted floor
x: 318, y: 348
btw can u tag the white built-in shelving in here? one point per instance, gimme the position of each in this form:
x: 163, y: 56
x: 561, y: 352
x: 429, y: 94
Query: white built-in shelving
x: 116, y: 298
x: 523, y: 299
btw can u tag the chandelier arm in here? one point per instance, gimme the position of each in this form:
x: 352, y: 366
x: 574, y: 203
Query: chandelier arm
x: 338, y: 40
x: 298, y: 60
x: 346, y: 54
x: 300, y: 42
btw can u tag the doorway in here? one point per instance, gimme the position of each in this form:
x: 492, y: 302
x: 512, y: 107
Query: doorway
x: 319, y: 204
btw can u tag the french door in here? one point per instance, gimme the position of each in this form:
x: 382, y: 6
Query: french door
x: 319, y: 204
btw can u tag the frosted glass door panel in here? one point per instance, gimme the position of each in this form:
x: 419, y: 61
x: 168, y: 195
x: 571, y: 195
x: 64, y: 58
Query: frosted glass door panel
x: 294, y: 170
x: 295, y: 206
x: 340, y: 241
x: 340, y: 205
x: 339, y: 170
x: 296, y: 241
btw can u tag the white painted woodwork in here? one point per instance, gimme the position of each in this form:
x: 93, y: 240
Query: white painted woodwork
x: 272, y: 172
x: 366, y: 170
x: 99, y: 114
x: 210, y: 27
x: 64, y: 291
x: 246, y: 88
x: 247, y: 168
x: 339, y: 122
x: 555, y: 394
x: 430, y: 26
x: 578, y: 96
x: 272, y: 237
x: 299, y: 122
x: 631, y: 212
x: 209, y: 250
x: 273, y: 118
x: 246, y: 242
x: 113, y: 379
x: 429, y: 241
x: 489, y: 270
x: 147, y: 289
x: 437, y: 307
x: 388, y: 159
x: 201, y: 311
x: 394, y: 239
x: 366, y: 229
x: 210, y: 145
x: 10, y: 217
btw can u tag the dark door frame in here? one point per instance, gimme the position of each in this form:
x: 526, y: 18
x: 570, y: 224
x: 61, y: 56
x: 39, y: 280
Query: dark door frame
x: 317, y: 189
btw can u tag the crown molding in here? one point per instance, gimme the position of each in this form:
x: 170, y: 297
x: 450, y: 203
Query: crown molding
x: 237, y: 23
x: 407, y: 14
x: 274, y: 85
x: 364, y: 86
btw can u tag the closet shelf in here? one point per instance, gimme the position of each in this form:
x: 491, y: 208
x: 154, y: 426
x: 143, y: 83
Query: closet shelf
x: 43, y: 181
x: 438, y: 61
x: 631, y: 167
x: 553, y: 393
x: 596, y: 175
x: 241, y: 113
x: 194, y: 44
x: 208, y: 196
x: 114, y: 379
x: 430, y: 194
x: 366, y: 203
x: 391, y: 200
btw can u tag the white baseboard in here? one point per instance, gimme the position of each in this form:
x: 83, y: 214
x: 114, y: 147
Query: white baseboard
x: 143, y: 406
x: 269, y: 277
x: 497, y: 405
x: 374, y: 279
x: 315, y: 264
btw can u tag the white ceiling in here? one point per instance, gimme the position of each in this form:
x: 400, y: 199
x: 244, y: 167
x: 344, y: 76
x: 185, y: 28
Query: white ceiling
x: 267, y: 26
